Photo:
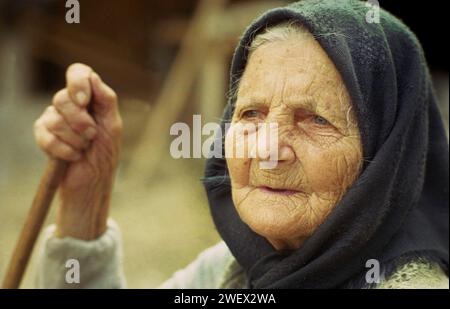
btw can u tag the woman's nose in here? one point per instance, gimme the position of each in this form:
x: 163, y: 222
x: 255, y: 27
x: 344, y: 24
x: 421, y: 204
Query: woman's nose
x: 273, y: 150
x: 286, y: 154
x: 273, y: 139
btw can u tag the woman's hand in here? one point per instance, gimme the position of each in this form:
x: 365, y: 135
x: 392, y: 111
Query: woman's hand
x: 83, y: 126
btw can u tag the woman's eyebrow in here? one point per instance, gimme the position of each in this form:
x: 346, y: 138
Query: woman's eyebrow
x: 314, y: 105
x: 257, y: 102
x: 296, y: 102
x: 301, y: 102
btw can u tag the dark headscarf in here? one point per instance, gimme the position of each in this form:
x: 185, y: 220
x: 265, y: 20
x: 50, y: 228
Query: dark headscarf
x: 399, y: 205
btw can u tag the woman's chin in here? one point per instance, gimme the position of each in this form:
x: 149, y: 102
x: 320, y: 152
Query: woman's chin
x: 274, y: 221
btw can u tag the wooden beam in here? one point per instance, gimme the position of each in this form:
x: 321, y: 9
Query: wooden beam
x: 174, y: 92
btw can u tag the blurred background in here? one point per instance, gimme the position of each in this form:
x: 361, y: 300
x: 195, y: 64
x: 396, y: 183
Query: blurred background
x: 167, y: 60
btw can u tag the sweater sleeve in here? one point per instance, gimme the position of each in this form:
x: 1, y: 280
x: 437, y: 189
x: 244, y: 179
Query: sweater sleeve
x: 74, y: 263
x: 99, y: 264
x: 207, y: 271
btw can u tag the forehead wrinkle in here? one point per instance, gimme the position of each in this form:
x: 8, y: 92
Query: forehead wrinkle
x: 289, y: 99
x: 292, y: 78
x: 297, y: 95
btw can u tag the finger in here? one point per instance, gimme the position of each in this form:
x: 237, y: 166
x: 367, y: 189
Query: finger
x: 105, y: 104
x: 56, y: 125
x: 53, y: 146
x: 76, y: 117
x: 77, y: 78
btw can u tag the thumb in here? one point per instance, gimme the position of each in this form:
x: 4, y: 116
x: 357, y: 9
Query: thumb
x: 105, y: 106
x: 104, y: 100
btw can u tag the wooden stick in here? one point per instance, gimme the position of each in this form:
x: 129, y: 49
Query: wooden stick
x: 36, y: 216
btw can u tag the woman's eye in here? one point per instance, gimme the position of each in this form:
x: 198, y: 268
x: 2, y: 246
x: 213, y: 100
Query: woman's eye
x: 320, y: 121
x: 253, y: 113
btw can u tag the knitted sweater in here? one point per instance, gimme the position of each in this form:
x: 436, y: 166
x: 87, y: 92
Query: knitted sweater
x: 100, y: 264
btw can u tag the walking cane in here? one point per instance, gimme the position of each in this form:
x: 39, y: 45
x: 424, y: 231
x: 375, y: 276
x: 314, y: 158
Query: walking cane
x: 35, y: 219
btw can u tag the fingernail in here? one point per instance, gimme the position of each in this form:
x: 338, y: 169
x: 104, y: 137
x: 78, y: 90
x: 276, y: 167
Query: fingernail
x: 90, y: 133
x: 96, y: 76
x: 81, y: 98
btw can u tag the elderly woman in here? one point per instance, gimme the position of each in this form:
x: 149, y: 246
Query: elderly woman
x: 360, y: 181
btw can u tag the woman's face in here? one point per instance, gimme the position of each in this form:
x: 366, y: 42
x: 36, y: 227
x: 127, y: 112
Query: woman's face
x: 295, y: 85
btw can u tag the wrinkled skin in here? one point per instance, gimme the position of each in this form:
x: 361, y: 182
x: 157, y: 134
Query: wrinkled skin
x: 295, y: 84
x: 90, y: 142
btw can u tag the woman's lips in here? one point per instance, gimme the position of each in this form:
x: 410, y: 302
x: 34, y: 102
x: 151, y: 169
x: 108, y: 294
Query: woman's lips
x: 278, y: 191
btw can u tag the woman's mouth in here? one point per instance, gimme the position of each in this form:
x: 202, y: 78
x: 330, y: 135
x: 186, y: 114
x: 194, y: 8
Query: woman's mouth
x: 278, y: 191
